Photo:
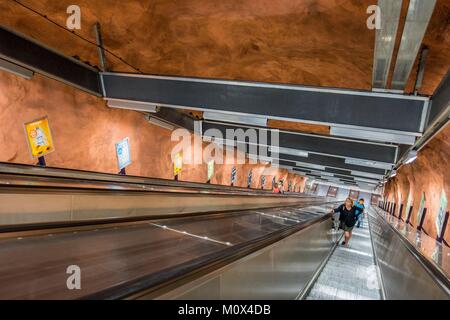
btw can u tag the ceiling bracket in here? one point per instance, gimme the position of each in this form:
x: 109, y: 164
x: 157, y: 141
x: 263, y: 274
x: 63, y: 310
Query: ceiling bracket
x: 101, y: 50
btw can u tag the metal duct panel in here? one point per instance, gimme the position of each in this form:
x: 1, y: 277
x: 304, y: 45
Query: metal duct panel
x: 287, y: 102
x: 322, y: 145
x: 175, y: 117
x: 338, y: 171
x: 331, y: 162
x: 440, y: 101
x: 419, y: 14
x: 33, y: 56
x: 385, y: 41
x: 287, y: 163
x: 373, y: 135
x: 331, y: 173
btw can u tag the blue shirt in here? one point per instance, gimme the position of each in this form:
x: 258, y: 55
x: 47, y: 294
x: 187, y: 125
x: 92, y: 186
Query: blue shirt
x: 359, y: 208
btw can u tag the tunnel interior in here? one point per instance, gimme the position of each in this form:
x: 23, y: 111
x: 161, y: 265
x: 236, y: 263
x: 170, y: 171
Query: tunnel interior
x: 201, y: 149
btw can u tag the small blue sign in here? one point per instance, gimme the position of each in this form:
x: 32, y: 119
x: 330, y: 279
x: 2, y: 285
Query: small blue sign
x: 123, y: 153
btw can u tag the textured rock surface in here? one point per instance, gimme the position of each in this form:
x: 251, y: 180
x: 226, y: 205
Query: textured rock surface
x: 85, y: 131
x: 429, y: 174
x: 311, y: 42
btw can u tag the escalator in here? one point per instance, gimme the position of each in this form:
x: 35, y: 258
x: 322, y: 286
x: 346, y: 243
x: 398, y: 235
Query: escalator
x: 133, y: 237
x: 123, y: 259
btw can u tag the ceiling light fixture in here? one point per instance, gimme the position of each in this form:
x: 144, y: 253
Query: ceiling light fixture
x: 373, y: 135
x: 323, y: 173
x: 310, y: 165
x: 132, y: 105
x: 369, y: 163
x: 290, y: 151
x: 366, y: 174
x: 235, y: 118
x: 393, y: 173
x: 412, y: 155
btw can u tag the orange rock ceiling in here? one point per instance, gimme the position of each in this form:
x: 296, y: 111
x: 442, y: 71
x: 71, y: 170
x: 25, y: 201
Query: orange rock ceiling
x: 310, y: 42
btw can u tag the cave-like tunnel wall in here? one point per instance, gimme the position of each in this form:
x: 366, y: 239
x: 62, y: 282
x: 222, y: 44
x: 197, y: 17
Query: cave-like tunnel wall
x: 429, y: 174
x: 85, y: 131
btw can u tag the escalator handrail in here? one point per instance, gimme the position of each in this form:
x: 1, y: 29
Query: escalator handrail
x: 436, y: 273
x: 80, y: 175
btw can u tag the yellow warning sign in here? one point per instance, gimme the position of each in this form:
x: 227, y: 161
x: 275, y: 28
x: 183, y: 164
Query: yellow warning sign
x: 177, y: 163
x: 39, y: 137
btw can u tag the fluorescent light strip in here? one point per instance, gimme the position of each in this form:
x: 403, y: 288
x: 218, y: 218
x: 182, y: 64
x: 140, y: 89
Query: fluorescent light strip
x: 235, y: 118
x: 290, y: 151
x: 373, y: 135
x: 366, y: 174
x: 412, y: 155
x: 323, y: 173
x: 369, y: 163
x: 129, y: 105
x: 285, y: 167
x: 365, y: 180
x: 310, y: 165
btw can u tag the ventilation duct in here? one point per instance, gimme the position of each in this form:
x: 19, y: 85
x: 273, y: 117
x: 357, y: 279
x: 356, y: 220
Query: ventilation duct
x: 417, y: 19
x: 385, y: 41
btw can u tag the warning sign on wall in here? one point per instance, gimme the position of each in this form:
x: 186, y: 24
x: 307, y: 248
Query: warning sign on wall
x: 39, y: 137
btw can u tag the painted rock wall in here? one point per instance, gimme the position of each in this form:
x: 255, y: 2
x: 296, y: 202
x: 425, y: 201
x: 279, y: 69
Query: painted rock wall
x: 85, y: 131
x: 429, y: 174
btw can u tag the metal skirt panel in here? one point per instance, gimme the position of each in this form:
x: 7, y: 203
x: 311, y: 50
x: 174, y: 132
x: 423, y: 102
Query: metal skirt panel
x: 403, y: 275
x: 280, y: 271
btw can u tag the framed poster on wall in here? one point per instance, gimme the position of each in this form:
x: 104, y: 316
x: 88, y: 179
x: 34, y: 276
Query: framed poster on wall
x: 233, y: 175
x: 441, y: 213
x: 210, y: 170
x: 421, y: 207
x: 332, y: 192
x: 374, y: 199
x: 123, y: 153
x: 177, y: 163
x: 39, y: 137
x: 353, y: 194
x: 409, y: 204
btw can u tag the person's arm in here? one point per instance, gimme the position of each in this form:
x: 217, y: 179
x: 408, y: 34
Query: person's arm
x: 338, y: 209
